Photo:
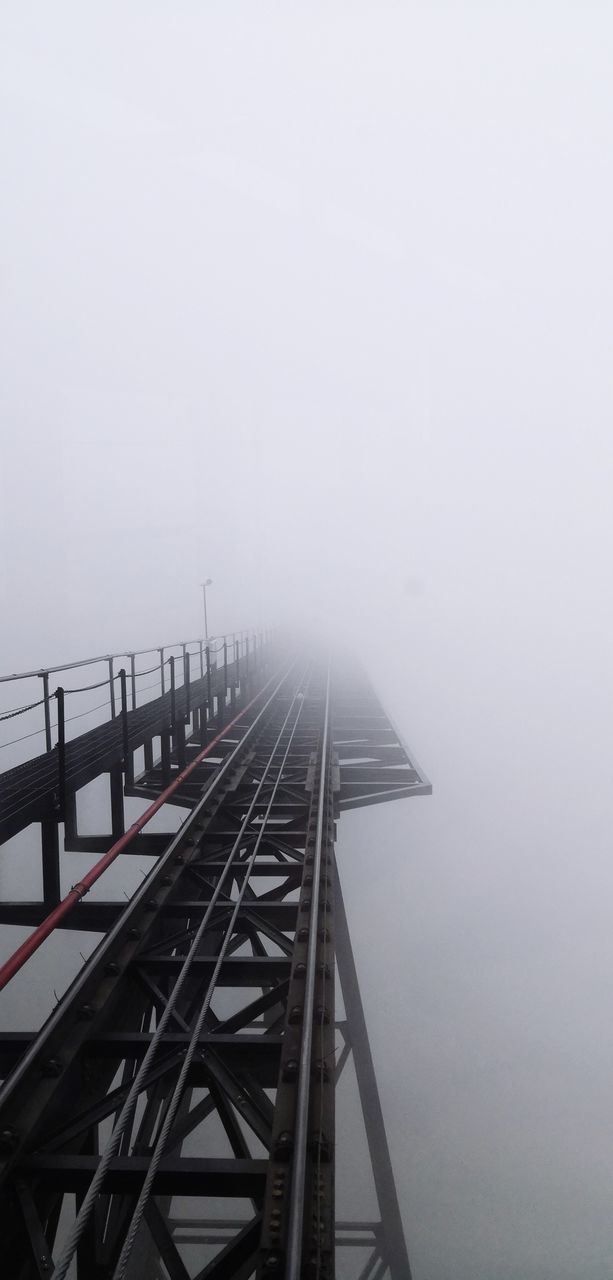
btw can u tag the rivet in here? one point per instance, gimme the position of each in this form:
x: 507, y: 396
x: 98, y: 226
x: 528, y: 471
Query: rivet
x: 8, y: 1140
x: 52, y: 1067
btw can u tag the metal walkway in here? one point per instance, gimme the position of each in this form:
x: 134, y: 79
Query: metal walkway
x: 31, y: 791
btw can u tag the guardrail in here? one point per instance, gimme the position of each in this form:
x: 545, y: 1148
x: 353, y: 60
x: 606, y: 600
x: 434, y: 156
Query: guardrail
x: 176, y: 664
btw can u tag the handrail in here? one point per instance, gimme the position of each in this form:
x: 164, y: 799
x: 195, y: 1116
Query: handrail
x: 124, y: 653
x: 211, y: 650
x: 78, y: 891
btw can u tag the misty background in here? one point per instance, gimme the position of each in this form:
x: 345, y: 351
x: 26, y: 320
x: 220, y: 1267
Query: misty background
x: 316, y: 300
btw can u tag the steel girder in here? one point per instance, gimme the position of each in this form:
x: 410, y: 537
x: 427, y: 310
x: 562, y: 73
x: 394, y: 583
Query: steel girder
x: 191, y: 1065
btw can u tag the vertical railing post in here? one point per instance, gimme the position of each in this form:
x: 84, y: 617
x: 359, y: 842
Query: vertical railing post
x: 173, y: 696
x: 225, y: 671
x: 162, y: 681
x: 165, y: 735
x: 61, y: 752
x: 209, y: 689
x: 204, y: 708
x: 177, y: 725
x: 201, y: 661
x: 187, y: 683
x: 45, y: 680
x: 128, y: 762
x: 112, y: 687
x: 233, y: 681
x: 133, y: 679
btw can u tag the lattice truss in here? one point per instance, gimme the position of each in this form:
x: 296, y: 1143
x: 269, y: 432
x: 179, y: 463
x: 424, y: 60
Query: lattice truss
x: 175, y: 1116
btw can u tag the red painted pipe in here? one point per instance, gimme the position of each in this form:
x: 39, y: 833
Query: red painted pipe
x: 78, y: 891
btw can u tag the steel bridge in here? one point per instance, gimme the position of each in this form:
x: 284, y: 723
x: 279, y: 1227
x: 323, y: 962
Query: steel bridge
x: 175, y: 1114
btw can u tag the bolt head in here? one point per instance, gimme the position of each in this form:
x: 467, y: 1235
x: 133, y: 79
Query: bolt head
x: 8, y: 1140
x: 52, y: 1067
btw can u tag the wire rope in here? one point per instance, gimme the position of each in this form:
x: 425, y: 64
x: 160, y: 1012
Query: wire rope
x: 19, y: 711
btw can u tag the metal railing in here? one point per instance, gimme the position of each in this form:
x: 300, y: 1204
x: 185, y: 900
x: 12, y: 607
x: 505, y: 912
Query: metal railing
x: 175, y: 665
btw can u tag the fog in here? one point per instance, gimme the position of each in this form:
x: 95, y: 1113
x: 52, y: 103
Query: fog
x: 316, y: 301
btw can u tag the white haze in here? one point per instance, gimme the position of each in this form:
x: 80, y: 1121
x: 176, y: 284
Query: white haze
x: 316, y: 300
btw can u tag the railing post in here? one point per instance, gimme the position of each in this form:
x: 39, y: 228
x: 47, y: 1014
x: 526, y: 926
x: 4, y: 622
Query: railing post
x: 112, y: 685
x: 45, y: 680
x: 133, y: 679
x: 187, y: 683
x: 173, y: 696
x: 128, y: 762
x: 162, y: 682
x: 61, y: 752
x: 177, y: 725
x: 203, y: 716
x: 209, y: 691
x: 225, y: 671
x: 201, y: 661
x: 165, y: 735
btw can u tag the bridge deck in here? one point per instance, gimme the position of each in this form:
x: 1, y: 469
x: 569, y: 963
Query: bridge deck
x: 29, y: 792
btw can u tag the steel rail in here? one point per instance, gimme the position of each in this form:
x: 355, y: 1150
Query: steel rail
x: 177, y: 1094
x: 298, y: 1177
x: 78, y: 891
x: 126, y: 1113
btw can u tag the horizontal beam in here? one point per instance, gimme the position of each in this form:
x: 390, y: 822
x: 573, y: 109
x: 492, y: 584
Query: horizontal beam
x: 176, y: 1176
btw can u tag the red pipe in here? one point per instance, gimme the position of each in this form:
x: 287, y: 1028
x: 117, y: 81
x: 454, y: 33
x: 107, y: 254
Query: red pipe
x: 78, y: 891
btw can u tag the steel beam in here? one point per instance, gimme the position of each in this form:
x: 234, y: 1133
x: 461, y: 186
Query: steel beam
x: 194, y: 1053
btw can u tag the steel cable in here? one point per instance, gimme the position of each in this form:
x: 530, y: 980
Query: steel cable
x: 19, y: 711
x: 126, y: 1114
x: 149, y: 671
x: 68, y: 719
x: 99, y: 685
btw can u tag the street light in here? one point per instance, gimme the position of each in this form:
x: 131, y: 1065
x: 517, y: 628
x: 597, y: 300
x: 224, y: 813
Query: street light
x: 208, y: 583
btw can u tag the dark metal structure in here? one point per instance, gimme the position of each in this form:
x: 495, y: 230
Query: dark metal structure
x: 175, y: 1115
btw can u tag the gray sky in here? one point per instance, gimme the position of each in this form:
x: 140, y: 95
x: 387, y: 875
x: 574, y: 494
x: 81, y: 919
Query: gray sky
x: 316, y: 300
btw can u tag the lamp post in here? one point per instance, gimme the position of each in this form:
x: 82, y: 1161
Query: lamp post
x: 207, y: 583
